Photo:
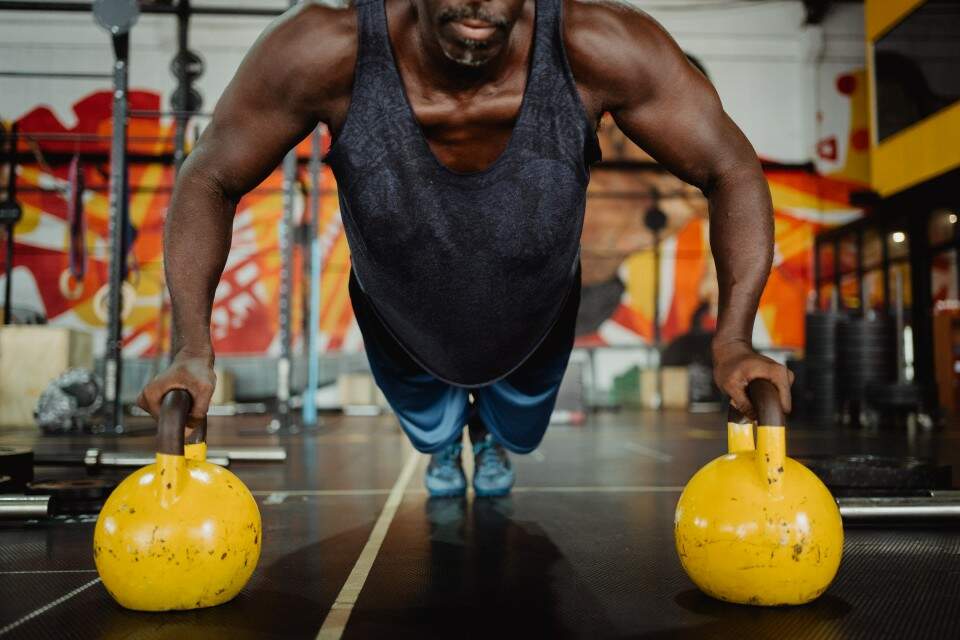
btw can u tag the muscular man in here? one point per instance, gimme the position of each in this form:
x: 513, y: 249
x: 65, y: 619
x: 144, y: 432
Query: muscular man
x: 463, y: 131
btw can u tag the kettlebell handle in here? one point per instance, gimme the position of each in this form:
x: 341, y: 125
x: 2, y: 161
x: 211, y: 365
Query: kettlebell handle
x: 173, y: 419
x: 766, y: 404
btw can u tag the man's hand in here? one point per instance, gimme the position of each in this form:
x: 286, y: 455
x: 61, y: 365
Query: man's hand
x: 191, y: 372
x: 735, y: 364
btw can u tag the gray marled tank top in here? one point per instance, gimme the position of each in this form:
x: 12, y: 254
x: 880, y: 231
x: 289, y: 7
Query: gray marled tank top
x: 467, y: 271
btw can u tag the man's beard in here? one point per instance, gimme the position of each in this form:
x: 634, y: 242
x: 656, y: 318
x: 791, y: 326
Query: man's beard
x: 473, y: 51
x: 472, y: 54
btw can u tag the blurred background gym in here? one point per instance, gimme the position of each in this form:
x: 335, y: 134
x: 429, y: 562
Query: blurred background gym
x: 854, y: 109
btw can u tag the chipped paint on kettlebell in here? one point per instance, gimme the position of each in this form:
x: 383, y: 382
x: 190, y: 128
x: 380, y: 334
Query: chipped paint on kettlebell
x: 756, y: 527
x: 181, y: 533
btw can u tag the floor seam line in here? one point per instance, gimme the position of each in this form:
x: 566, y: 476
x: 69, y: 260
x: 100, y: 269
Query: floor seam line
x: 33, y: 614
x: 45, y: 571
x: 336, y: 620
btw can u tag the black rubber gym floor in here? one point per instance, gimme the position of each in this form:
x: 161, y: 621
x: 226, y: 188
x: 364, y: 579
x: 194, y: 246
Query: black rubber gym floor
x: 583, y: 547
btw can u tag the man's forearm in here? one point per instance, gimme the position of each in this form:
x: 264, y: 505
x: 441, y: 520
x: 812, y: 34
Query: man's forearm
x: 741, y: 235
x: 196, y: 243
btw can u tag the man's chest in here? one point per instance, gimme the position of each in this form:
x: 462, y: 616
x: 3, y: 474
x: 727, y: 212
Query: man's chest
x: 468, y: 133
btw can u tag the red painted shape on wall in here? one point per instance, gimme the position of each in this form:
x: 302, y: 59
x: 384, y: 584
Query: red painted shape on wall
x: 827, y: 148
x: 860, y: 139
x: 846, y: 84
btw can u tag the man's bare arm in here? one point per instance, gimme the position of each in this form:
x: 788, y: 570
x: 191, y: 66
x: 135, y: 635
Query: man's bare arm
x: 285, y: 85
x: 635, y: 70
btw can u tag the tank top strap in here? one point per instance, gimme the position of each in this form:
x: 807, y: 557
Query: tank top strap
x: 373, y: 42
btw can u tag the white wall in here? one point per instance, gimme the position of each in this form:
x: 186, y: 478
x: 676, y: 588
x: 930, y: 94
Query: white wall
x: 767, y: 66
x: 72, y: 42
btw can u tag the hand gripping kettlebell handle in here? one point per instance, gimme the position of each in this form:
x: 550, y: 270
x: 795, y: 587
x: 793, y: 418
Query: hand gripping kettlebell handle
x: 173, y: 419
x: 766, y: 404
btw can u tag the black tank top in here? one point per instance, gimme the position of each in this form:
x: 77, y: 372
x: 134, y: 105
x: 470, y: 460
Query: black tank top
x: 468, y: 271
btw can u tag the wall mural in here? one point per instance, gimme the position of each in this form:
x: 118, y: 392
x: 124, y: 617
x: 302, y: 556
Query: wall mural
x: 618, y: 257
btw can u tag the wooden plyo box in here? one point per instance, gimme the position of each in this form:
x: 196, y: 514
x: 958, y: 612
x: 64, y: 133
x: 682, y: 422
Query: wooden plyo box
x: 675, y: 383
x: 223, y: 393
x: 360, y: 390
x: 31, y: 357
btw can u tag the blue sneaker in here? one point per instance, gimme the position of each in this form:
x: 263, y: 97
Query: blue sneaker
x: 445, y: 478
x: 492, y: 474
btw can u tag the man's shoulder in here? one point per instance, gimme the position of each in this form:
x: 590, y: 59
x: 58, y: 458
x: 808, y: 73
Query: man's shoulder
x: 327, y: 17
x: 612, y: 43
x: 315, y: 42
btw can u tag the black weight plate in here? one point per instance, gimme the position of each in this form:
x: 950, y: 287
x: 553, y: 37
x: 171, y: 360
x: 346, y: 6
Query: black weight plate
x: 17, y: 463
x: 878, y: 349
x: 877, y: 338
x: 893, y: 395
x: 188, y: 61
x: 192, y: 102
x: 74, y: 496
x: 885, y: 346
x: 10, y: 212
x: 821, y: 349
x: 6, y: 485
x: 874, y: 472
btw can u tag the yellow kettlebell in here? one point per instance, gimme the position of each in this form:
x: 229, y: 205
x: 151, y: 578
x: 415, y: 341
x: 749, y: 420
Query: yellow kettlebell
x: 181, y: 533
x: 754, y: 526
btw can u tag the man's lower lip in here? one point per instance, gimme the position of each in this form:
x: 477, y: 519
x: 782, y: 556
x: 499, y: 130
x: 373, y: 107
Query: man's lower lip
x: 473, y: 33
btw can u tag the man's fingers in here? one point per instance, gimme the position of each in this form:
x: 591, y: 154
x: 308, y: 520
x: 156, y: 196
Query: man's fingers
x: 740, y: 400
x: 783, y: 387
x: 198, y: 409
x: 780, y: 377
x: 143, y: 403
x: 202, y: 393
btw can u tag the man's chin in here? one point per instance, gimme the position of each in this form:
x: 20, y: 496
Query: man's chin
x: 469, y: 56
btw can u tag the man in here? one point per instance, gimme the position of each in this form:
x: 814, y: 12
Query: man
x: 462, y: 135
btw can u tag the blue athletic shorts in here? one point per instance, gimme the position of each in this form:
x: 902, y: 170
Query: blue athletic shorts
x: 516, y: 409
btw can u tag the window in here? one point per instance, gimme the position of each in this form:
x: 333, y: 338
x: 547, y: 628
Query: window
x: 901, y: 270
x: 848, y: 253
x: 827, y: 291
x: 915, y: 66
x: 942, y: 227
x: 873, y: 293
x: 827, y: 262
x: 898, y: 245
x: 872, y: 249
x: 850, y: 290
x: 943, y: 276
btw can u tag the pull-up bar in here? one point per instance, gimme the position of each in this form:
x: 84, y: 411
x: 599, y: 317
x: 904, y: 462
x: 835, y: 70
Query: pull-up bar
x: 85, y: 7
x: 65, y: 75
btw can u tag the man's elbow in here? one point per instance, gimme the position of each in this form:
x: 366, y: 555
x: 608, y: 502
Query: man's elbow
x: 197, y: 177
x: 744, y: 174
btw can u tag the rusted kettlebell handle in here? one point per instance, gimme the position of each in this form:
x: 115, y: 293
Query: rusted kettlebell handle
x: 173, y: 419
x: 766, y: 403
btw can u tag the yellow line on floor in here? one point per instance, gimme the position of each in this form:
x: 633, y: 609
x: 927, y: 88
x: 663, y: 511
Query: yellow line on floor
x: 336, y: 620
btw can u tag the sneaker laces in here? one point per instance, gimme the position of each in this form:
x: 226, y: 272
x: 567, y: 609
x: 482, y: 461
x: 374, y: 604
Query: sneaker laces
x: 446, y: 459
x: 489, y: 455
